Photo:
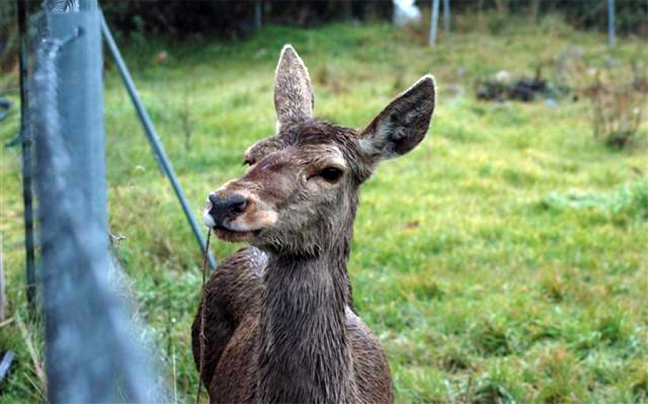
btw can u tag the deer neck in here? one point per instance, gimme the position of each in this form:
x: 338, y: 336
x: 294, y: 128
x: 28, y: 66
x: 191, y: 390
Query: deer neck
x: 304, y: 351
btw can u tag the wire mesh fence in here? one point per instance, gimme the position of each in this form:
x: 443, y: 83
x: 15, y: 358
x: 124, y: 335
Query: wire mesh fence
x: 93, y: 349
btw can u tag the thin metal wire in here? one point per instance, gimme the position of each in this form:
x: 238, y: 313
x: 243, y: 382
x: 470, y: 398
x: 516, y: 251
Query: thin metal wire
x: 203, y: 317
x: 69, y: 6
x: 153, y: 138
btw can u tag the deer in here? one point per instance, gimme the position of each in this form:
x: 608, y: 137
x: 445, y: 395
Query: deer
x: 279, y: 320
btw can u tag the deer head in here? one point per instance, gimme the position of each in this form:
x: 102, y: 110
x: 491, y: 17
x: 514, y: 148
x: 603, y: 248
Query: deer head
x: 300, y: 193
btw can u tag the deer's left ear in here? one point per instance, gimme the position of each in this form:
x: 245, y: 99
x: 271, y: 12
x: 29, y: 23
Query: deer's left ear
x: 293, y: 94
x: 403, y: 124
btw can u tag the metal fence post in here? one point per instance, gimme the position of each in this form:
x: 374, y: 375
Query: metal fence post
x: 446, y: 15
x: 258, y: 14
x: 91, y: 354
x: 611, y: 23
x: 434, y: 23
x: 72, y: 199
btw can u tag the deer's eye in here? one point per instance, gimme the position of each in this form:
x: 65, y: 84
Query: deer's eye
x: 331, y: 174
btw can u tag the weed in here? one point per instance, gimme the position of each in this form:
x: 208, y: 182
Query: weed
x: 553, y: 286
x: 639, y: 387
x: 455, y: 359
x: 491, y: 392
x: 490, y: 339
x: 617, y: 109
x: 612, y: 329
x: 564, y: 385
x: 328, y: 76
x: 185, y: 116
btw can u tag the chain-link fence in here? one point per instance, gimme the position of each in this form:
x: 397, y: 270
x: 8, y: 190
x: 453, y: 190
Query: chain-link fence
x: 93, y: 353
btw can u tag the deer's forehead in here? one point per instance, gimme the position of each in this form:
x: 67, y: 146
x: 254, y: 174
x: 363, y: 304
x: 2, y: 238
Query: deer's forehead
x: 262, y: 147
x: 302, y: 153
x: 319, y: 154
x: 307, y: 142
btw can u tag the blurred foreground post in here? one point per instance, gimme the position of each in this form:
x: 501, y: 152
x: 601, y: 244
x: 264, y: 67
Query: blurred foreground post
x: 434, y: 23
x: 90, y: 353
x: 71, y: 186
x: 611, y: 25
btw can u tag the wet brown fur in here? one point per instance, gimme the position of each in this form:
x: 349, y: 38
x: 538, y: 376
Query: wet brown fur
x: 280, y: 324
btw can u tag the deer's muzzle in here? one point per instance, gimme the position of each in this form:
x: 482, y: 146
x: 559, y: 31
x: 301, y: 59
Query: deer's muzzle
x: 223, y: 210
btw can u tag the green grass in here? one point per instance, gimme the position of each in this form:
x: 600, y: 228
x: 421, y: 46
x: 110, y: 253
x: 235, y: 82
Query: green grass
x: 504, y: 259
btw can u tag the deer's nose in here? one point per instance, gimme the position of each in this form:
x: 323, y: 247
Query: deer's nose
x: 228, y: 208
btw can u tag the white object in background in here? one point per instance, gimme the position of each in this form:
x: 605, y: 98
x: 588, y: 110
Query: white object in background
x: 405, y: 12
x: 503, y: 76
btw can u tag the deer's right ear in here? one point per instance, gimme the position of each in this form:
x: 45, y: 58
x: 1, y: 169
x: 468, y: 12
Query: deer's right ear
x: 293, y: 94
x: 403, y: 124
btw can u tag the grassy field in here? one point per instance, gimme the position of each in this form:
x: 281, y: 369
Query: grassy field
x: 504, y: 259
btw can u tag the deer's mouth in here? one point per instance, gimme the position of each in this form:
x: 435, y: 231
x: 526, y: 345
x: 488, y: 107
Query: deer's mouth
x: 228, y: 233
x: 236, y: 218
x: 234, y: 236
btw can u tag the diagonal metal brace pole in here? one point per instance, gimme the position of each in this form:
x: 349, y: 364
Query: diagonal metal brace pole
x: 152, y: 136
